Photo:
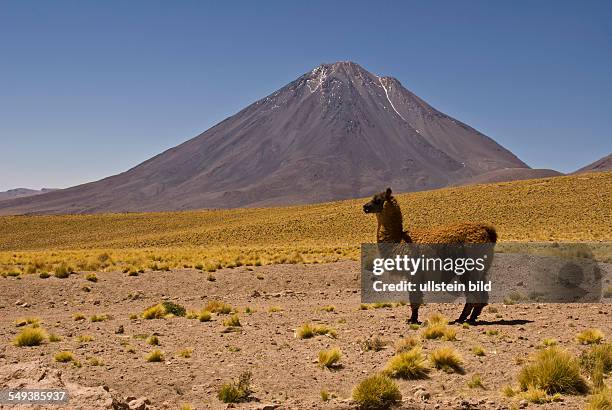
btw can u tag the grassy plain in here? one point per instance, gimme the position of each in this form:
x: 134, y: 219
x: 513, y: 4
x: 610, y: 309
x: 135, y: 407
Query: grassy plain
x: 569, y: 208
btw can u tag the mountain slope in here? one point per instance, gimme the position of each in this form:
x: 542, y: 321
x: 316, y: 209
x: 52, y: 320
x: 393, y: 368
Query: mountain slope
x: 22, y: 192
x: 509, y: 174
x: 602, y: 164
x: 336, y: 132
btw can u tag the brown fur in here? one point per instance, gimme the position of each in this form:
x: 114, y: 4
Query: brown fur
x: 390, y: 230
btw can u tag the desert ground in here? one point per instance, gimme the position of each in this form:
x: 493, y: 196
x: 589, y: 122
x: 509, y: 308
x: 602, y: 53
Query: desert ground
x: 111, y: 370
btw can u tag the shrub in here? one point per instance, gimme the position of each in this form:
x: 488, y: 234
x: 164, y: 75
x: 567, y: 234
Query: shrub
x: 30, y: 336
x: 590, y: 336
x: 405, y: 344
x: 554, y: 371
x: 478, y: 351
x: 204, y: 316
x: 376, y: 392
x: 307, y: 331
x: 602, y: 400
x: 155, y: 356
x: 475, y: 381
x: 329, y: 358
x: 407, y: 365
x: 447, y: 359
x: 173, y: 309
x: 64, y: 357
x: 44, y: 275
x: 54, y: 338
x: 236, y: 392
x: 215, y: 306
x: 84, y: 339
x: 91, y: 277
x: 98, y: 318
x: 232, y: 321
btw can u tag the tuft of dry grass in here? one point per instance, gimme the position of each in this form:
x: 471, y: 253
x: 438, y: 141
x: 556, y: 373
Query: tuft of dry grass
x: 478, y: 351
x: 407, y: 365
x: 373, y: 344
x: 154, y: 312
x: 186, y: 353
x: 155, y: 356
x: 590, y: 336
x: 554, y: 371
x: 329, y: 358
x: 33, y: 321
x: 549, y: 342
x: 275, y: 309
x: 64, y: 357
x: 30, y: 336
x: 447, y: 359
x: 153, y: 340
x: 84, y: 339
x: 475, y: 382
x: 236, y: 391
x: 439, y: 331
x: 215, y: 306
x: 602, y: 400
x: 328, y: 308
x: 204, y: 316
x: 91, y: 277
x: 232, y: 321
x: 405, y: 344
x: 306, y: 331
x: 376, y: 392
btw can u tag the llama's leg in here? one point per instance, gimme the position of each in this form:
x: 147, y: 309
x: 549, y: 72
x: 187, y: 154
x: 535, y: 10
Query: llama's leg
x: 465, y: 313
x: 476, y: 312
x: 414, y: 316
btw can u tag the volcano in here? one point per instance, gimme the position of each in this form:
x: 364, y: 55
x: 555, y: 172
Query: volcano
x: 336, y: 132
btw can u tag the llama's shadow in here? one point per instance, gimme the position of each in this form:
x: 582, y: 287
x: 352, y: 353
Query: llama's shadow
x: 502, y: 322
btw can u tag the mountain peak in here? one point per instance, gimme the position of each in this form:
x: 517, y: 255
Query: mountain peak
x: 336, y: 132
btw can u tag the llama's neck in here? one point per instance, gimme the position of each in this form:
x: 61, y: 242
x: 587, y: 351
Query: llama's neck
x: 389, y: 223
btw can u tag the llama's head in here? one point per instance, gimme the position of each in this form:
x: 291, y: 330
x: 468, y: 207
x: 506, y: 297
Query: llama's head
x: 375, y: 206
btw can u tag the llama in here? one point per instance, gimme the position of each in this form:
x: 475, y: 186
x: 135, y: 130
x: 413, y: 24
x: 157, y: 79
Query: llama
x: 390, y: 230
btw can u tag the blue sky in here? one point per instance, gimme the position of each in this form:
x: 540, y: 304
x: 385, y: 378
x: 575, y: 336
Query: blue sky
x: 90, y: 89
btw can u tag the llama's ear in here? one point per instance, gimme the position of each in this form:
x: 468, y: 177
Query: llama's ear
x: 388, y: 193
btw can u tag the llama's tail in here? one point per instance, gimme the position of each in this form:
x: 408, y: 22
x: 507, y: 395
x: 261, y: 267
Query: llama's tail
x: 491, y: 233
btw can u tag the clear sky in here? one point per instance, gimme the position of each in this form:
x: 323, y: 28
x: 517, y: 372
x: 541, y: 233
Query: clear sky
x: 89, y: 89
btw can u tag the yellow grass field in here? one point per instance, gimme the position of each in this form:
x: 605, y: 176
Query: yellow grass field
x: 571, y: 208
